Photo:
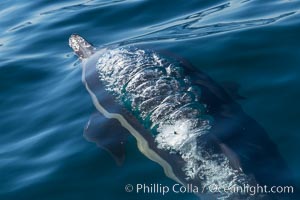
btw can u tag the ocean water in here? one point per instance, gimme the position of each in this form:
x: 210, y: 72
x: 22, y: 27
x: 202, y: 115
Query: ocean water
x: 251, y: 44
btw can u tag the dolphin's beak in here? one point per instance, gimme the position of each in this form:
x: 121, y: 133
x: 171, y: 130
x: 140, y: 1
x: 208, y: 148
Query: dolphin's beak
x: 82, y: 48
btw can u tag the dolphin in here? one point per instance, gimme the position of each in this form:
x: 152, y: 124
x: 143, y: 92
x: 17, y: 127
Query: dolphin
x: 180, y: 118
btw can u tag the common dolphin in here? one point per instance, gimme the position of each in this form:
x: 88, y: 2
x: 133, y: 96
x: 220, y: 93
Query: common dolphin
x: 180, y: 118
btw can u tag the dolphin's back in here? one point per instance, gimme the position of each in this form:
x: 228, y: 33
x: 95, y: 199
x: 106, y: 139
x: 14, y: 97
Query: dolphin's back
x: 156, y: 89
x: 153, y: 87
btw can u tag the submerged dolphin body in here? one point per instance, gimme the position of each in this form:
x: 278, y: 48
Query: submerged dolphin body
x: 180, y: 118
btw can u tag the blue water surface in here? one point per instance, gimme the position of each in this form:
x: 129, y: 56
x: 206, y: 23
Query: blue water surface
x: 44, y: 106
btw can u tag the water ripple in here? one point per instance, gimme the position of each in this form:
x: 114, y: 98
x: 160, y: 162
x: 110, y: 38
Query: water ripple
x: 80, y: 6
x: 190, y: 29
x: 194, y: 16
x: 20, y: 26
x: 31, y: 178
x: 26, y: 142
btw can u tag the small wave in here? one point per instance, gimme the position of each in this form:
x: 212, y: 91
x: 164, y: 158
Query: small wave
x: 76, y: 7
x: 70, y: 8
x: 190, y: 29
x: 20, y: 26
x: 198, y: 16
x: 31, y: 178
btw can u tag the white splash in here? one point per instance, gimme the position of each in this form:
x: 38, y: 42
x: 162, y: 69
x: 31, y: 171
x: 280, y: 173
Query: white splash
x: 171, y: 136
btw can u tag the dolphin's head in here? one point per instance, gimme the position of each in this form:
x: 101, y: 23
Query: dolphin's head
x: 82, y: 48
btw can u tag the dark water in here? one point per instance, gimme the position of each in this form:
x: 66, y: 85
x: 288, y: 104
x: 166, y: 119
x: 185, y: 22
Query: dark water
x: 44, y: 106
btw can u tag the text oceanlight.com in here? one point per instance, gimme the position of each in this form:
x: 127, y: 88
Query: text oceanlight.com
x: 157, y: 188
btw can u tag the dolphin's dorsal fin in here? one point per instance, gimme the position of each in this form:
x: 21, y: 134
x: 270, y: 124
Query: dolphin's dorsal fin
x: 108, y: 134
x: 232, y: 89
x: 82, y: 48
